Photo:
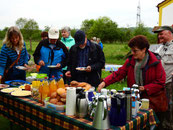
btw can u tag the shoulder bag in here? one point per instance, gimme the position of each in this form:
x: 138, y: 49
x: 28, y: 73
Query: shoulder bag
x: 6, y: 70
x: 159, y: 101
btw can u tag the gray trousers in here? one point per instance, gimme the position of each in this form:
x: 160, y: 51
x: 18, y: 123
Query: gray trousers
x: 168, y: 117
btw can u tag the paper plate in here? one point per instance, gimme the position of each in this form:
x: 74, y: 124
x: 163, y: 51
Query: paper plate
x: 52, y: 66
x: 9, y: 90
x: 21, y: 67
x: 4, y: 86
x: 81, y: 68
x: 21, y: 93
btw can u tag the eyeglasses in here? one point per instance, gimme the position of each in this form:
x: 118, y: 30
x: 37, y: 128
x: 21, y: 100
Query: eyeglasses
x: 135, y: 50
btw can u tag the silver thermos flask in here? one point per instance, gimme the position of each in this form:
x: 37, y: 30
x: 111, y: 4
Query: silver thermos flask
x: 128, y: 104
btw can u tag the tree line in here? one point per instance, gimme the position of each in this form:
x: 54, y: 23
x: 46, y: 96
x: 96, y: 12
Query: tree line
x: 103, y: 27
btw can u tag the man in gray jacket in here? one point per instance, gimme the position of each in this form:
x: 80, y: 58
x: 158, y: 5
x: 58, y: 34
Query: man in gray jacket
x: 165, y: 36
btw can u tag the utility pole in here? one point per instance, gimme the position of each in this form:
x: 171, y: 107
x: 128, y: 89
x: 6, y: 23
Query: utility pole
x: 138, y: 15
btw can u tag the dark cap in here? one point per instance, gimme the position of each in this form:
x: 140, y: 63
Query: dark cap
x: 169, y: 28
x: 79, y: 37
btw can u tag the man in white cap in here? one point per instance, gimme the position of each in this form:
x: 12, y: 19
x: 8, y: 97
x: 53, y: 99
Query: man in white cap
x: 51, y: 54
x: 165, y: 37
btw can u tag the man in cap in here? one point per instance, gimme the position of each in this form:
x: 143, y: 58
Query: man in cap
x: 165, y: 37
x: 51, y: 54
x: 85, y: 54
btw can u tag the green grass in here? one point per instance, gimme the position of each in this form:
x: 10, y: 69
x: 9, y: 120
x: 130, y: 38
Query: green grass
x: 115, y: 53
x: 117, y: 85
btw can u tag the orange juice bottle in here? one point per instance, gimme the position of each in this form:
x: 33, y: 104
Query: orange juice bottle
x: 40, y: 93
x: 52, y: 85
x: 61, y: 83
x: 45, y: 90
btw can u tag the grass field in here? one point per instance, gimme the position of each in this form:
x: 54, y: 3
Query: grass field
x: 114, y: 54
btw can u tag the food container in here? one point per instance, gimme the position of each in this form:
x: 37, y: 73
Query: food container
x: 57, y: 108
x: 30, y: 79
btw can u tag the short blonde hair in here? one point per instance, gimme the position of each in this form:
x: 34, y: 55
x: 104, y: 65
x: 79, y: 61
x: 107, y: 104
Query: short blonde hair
x: 13, y: 30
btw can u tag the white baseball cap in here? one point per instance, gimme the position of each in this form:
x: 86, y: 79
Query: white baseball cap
x: 53, y: 33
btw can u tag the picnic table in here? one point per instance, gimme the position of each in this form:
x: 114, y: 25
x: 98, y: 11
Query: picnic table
x: 28, y: 113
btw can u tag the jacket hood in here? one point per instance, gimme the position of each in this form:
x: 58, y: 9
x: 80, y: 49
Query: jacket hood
x: 70, y: 38
x: 154, y: 59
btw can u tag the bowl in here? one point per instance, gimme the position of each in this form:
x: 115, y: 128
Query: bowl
x: 54, y: 107
x: 41, y: 76
x: 34, y: 74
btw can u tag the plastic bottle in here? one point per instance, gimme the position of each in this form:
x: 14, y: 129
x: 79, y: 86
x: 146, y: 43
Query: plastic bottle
x: 45, y: 89
x: 60, y: 83
x: 40, y: 92
x: 52, y: 85
x: 134, y: 104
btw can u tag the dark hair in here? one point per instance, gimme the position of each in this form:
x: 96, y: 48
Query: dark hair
x: 44, y: 34
x: 140, y: 42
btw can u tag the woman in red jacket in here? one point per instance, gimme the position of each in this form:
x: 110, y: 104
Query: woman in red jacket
x: 143, y: 68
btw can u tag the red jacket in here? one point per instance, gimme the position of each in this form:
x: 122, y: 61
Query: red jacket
x: 153, y: 74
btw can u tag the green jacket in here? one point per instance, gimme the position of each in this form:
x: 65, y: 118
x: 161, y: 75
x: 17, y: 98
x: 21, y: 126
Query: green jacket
x: 68, y: 42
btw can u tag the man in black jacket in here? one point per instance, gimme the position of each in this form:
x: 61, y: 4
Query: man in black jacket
x: 85, y: 54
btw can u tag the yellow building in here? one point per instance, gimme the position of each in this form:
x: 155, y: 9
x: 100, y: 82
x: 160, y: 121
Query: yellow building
x: 165, y: 9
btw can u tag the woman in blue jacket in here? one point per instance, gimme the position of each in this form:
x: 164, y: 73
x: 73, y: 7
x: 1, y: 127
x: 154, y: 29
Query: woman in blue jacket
x: 13, y: 48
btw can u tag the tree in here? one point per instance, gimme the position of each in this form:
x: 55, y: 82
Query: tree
x: 105, y: 29
x: 87, y: 24
x: 141, y: 30
x: 3, y: 32
x: 46, y: 28
x: 20, y: 23
x: 28, y: 28
x: 31, y: 27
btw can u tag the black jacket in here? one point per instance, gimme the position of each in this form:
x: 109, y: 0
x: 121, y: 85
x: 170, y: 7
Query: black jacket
x: 96, y: 60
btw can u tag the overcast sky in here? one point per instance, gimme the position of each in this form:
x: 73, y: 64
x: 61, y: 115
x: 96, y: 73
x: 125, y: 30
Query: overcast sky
x: 72, y: 12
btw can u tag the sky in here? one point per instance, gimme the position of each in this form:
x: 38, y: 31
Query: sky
x: 71, y: 13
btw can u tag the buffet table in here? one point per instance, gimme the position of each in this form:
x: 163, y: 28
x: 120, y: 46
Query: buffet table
x: 28, y: 113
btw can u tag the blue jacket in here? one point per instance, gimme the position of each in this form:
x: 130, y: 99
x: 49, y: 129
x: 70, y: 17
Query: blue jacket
x: 7, y: 57
x: 101, y: 45
x: 51, y: 57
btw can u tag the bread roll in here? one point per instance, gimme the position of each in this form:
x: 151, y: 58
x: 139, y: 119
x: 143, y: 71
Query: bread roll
x: 74, y: 84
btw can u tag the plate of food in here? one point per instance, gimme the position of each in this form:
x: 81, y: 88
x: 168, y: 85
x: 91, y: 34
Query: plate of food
x: 81, y: 68
x: 9, y: 90
x: 52, y: 66
x: 16, y: 82
x: 21, y: 67
x: 22, y: 93
x: 4, y: 86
